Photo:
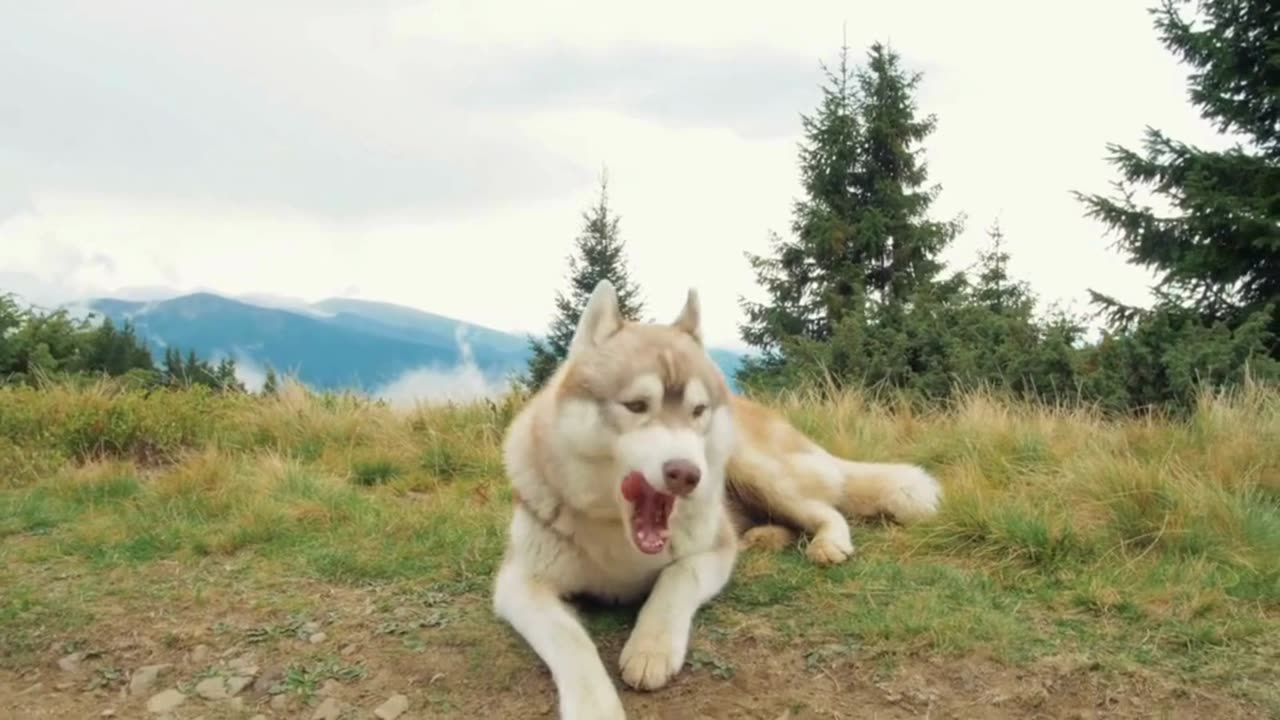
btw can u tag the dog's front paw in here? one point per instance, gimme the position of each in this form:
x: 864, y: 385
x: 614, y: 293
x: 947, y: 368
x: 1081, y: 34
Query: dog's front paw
x: 824, y: 550
x: 600, y: 704
x: 650, y: 660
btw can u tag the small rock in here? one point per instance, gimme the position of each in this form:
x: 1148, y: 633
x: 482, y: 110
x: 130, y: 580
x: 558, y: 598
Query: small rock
x: 311, y: 627
x: 200, y: 653
x: 259, y: 716
x: 70, y: 663
x: 107, y: 713
x: 165, y: 702
x: 33, y: 689
x: 212, y: 689
x: 268, y: 681
x: 330, y: 688
x: 237, y: 683
x: 144, y: 677
x: 63, y: 686
x: 393, y: 708
x: 243, y: 663
x: 328, y: 710
x: 280, y: 703
x: 349, y: 650
x: 317, y: 638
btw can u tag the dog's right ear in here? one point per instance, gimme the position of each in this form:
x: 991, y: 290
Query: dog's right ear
x: 600, y: 318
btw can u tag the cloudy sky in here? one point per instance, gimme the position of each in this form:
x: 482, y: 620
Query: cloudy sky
x: 439, y: 154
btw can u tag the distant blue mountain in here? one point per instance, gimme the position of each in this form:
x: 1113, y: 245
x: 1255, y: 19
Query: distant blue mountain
x: 333, y: 344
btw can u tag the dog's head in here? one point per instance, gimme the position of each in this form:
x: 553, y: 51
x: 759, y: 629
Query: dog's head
x: 646, y: 402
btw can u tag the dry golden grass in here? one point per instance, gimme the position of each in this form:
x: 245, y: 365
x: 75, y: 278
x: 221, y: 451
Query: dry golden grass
x: 1148, y: 543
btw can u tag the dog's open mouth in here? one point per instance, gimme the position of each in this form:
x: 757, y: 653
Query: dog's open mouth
x: 650, y: 511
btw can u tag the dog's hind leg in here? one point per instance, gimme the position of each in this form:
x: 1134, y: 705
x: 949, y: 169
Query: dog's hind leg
x: 545, y: 622
x: 794, y: 490
x: 656, y: 649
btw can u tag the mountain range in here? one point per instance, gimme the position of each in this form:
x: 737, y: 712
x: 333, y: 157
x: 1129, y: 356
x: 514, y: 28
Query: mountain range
x: 338, y: 343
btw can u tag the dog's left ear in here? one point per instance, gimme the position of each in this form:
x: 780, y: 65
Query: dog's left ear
x: 690, y: 319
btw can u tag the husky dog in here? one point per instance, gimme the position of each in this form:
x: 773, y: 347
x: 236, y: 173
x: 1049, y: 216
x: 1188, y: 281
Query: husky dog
x: 636, y: 472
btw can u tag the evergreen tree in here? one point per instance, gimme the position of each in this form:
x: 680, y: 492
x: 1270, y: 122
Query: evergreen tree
x: 895, y: 227
x: 173, y: 371
x: 600, y: 255
x: 115, y: 351
x: 801, y: 273
x: 1217, y: 253
x: 994, y: 288
x: 863, y: 244
x: 271, y: 386
x: 223, y: 376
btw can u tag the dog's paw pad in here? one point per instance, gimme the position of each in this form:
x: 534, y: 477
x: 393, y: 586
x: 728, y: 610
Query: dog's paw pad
x: 648, y: 663
x: 825, y: 552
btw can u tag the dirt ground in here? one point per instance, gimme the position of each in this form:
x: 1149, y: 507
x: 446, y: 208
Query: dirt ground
x: 768, y: 688
x: 235, y: 657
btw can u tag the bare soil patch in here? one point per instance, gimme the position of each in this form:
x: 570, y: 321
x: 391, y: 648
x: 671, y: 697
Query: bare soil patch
x: 300, y: 649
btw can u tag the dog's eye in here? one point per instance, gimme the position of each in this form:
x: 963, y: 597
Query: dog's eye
x: 636, y: 406
x: 698, y: 410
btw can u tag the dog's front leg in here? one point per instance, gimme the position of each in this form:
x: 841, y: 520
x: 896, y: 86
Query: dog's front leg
x: 656, y: 649
x: 545, y: 622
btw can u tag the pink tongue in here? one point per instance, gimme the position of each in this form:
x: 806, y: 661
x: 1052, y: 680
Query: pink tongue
x: 650, y: 511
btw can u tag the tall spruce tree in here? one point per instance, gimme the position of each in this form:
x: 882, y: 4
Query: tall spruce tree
x: 903, y: 240
x: 600, y: 255
x: 803, y: 272
x: 863, y: 242
x: 1217, y: 252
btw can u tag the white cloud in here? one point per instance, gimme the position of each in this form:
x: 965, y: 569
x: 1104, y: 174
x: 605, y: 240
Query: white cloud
x: 463, y: 383
x: 429, y: 386
x: 426, y: 154
x: 249, y: 372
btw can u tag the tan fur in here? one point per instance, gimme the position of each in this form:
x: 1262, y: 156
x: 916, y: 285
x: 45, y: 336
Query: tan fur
x: 629, y: 398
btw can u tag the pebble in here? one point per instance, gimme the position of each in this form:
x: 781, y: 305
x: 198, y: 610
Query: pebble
x: 212, y: 689
x: 267, y: 681
x: 330, y: 688
x: 200, y: 653
x: 328, y: 710
x: 349, y: 650
x: 317, y: 638
x: 244, y: 665
x: 144, y: 677
x: 164, y: 702
x: 393, y: 708
x: 70, y: 663
x: 237, y: 683
x: 107, y: 713
x: 311, y: 627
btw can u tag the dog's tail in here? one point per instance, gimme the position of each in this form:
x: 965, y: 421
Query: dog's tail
x: 904, y: 492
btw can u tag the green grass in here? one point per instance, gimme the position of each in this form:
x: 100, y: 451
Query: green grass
x: 1137, y: 544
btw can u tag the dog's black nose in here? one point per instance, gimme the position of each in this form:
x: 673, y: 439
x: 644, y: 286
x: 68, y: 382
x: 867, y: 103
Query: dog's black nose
x: 682, y: 476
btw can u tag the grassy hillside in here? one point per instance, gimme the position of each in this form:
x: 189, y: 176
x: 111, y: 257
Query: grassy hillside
x: 343, y: 553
